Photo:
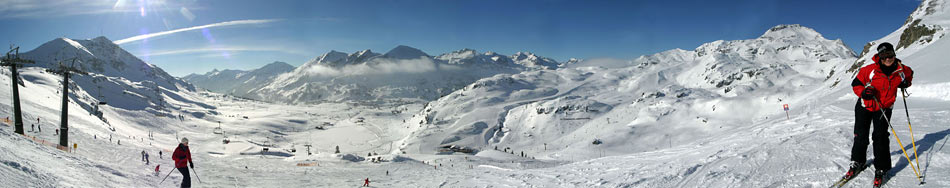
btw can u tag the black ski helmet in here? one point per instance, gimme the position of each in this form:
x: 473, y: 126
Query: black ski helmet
x: 885, y: 47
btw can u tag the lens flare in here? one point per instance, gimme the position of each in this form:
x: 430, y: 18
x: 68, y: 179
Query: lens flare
x: 210, y: 38
x: 142, y: 7
x: 144, y: 45
x: 207, y: 34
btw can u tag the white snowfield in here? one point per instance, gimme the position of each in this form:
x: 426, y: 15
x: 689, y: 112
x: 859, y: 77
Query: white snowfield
x: 709, y: 117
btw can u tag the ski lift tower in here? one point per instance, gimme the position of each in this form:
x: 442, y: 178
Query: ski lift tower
x: 14, y: 61
x: 102, y: 98
x: 65, y: 71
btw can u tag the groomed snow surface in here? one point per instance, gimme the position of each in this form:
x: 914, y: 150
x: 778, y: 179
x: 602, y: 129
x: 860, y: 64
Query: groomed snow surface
x: 809, y: 150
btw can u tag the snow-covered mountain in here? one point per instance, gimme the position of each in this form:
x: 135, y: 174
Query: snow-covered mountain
x: 673, y: 95
x: 116, y: 77
x: 403, y: 73
x: 100, y: 56
x: 238, y: 81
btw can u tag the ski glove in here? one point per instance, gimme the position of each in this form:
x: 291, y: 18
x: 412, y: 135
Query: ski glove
x: 192, y: 165
x: 904, y: 84
x: 869, y: 93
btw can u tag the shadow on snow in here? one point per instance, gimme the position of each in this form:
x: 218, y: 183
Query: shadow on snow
x: 924, y: 144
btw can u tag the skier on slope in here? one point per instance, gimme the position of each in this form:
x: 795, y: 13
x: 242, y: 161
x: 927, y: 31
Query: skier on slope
x: 876, y: 85
x: 182, y: 157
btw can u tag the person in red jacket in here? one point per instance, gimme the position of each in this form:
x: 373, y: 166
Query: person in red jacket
x: 182, y: 157
x: 876, y: 85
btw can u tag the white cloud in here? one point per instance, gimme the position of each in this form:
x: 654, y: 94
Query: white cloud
x: 381, y: 67
x: 602, y: 62
x: 220, y: 24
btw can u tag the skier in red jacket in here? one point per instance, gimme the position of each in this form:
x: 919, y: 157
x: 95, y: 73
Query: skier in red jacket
x: 876, y: 85
x: 182, y: 157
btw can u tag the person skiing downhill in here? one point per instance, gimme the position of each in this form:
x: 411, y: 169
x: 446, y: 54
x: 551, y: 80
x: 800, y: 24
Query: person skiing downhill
x: 366, y: 182
x: 876, y: 86
x: 182, y: 157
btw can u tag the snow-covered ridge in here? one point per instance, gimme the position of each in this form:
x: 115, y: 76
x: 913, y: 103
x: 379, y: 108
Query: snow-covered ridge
x: 100, y: 56
x: 114, y: 74
x: 401, y: 73
x: 405, y: 52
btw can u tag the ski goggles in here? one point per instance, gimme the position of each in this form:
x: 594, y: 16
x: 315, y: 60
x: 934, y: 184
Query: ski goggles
x: 886, y: 54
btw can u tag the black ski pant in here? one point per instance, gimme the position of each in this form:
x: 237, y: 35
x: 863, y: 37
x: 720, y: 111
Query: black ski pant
x: 862, y: 125
x: 186, y: 181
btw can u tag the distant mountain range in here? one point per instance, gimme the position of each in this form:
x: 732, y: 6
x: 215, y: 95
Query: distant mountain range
x: 403, y: 73
x: 238, y: 81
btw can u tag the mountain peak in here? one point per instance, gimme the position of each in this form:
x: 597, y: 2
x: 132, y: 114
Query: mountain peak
x: 362, y: 52
x: 530, y: 60
x: 276, y: 64
x: 102, y: 39
x: 332, y: 56
x: 791, y: 31
x: 277, y: 67
x: 523, y: 55
x: 405, y: 52
x: 361, y: 56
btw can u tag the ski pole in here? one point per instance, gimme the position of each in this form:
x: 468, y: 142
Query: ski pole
x: 166, y: 176
x: 904, y: 97
x: 894, y: 132
x: 913, y: 140
x: 196, y: 174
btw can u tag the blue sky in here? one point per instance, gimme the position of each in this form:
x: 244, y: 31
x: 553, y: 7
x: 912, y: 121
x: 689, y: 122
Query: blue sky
x: 248, y: 34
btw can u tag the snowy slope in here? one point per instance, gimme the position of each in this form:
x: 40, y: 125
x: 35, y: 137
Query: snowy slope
x: 126, y: 121
x: 810, y: 149
x: 665, y: 97
x: 121, y: 97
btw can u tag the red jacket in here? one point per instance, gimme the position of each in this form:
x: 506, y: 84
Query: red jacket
x: 886, y: 85
x: 182, y: 156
